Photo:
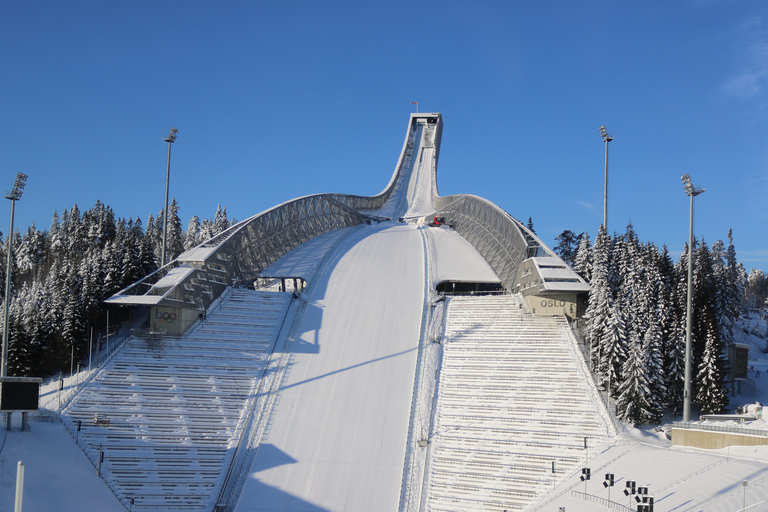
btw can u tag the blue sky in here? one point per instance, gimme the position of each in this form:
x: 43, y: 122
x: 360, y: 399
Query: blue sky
x: 275, y: 100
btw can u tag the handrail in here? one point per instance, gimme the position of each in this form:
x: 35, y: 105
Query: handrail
x: 721, y: 428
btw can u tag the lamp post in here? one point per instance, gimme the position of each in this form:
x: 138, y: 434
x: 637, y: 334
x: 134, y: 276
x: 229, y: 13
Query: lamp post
x: 691, y: 192
x: 14, y: 195
x: 170, y: 139
x: 606, y: 138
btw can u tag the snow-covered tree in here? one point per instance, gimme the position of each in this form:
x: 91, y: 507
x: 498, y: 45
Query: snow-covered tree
x: 710, y: 391
x: 582, y: 259
x: 193, y: 233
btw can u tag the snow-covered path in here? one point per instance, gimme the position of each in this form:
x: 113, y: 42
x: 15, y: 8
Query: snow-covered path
x: 337, y: 440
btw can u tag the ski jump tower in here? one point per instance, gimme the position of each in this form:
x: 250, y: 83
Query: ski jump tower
x: 182, y: 290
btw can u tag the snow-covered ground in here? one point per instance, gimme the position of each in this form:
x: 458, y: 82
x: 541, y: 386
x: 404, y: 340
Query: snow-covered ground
x: 680, y: 479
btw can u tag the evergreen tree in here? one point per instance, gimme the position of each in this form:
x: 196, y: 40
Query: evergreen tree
x: 582, y: 259
x: 568, y: 243
x: 600, y: 298
x: 175, y: 237
x: 614, y: 350
x: 206, y: 231
x: 710, y: 390
x: 193, y: 233
x: 529, y: 225
x: 634, y: 403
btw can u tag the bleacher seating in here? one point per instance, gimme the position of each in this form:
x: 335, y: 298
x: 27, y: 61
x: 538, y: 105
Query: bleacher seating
x: 167, y: 412
x: 512, y: 399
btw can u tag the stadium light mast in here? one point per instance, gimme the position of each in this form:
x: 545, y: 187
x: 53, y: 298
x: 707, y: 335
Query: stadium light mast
x: 170, y: 139
x: 606, y: 138
x: 691, y: 192
x: 14, y: 195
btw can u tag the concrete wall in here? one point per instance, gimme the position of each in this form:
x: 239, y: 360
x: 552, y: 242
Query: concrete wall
x: 553, y: 304
x: 714, y: 440
x: 172, y: 320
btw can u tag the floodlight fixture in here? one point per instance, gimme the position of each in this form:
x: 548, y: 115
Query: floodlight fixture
x: 691, y: 191
x: 170, y: 139
x: 606, y: 138
x: 14, y: 195
x: 604, y: 134
x: 18, y: 187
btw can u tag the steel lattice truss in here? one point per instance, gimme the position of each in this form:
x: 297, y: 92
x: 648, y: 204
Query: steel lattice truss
x: 501, y: 239
x: 258, y: 242
x: 239, y: 254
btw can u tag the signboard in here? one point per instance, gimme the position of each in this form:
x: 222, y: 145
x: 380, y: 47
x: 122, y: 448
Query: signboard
x: 738, y: 357
x: 19, y: 393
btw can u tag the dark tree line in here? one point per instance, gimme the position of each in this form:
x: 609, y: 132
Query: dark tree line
x: 61, y: 276
x: 635, y: 323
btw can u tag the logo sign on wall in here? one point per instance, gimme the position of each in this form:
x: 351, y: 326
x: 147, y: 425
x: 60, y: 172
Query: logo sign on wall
x: 165, y: 317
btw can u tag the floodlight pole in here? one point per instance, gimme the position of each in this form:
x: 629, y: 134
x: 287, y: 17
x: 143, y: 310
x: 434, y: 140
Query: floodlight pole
x: 606, y: 138
x: 170, y: 139
x: 691, y: 192
x: 14, y: 195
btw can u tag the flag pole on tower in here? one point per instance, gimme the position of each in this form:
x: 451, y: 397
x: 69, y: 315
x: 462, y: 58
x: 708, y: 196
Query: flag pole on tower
x: 417, y: 105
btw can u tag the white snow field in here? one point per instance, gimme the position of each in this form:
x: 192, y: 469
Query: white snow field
x: 337, y: 441
x: 366, y: 392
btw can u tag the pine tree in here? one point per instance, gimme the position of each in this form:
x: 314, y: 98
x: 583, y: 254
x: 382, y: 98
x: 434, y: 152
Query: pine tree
x: 582, y: 259
x: 193, y: 233
x: 529, y: 225
x: 568, y: 243
x: 614, y: 350
x: 175, y: 237
x: 634, y: 404
x: 600, y: 298
x: 711, y: 392
x: 220, y: 222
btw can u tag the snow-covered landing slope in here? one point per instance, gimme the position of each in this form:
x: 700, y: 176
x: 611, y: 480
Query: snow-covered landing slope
x: 167, y: 413
x: 513, y: 398
x: 339, y: 433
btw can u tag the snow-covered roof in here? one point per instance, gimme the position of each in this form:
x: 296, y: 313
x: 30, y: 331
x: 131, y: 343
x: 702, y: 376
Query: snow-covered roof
x: 556, y: 273
x: 561, y: 286
x: 173, y: 277
x: 197, y: 254
x: 135, y: 300
x: 546, y: 261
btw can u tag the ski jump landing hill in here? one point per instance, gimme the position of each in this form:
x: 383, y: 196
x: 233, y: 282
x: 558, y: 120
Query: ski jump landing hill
x: 309, y: 361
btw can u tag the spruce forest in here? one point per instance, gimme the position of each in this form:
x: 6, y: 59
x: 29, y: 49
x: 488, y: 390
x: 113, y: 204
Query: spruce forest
x: 635, y: 322
x: 61, y: 276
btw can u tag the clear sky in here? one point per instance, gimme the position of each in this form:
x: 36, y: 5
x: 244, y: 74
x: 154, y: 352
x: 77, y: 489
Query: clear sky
x: 276, y: 100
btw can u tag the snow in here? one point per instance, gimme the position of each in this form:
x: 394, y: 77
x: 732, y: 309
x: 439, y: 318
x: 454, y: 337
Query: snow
x: 197, y: 254
x: 454, y: 259
x: 173, y: 277
x: 131, y: 300
x: 336, y: 442
x: 57, y: 475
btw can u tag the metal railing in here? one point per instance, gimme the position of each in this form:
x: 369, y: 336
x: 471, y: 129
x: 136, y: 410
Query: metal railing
x: 721, y: 428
